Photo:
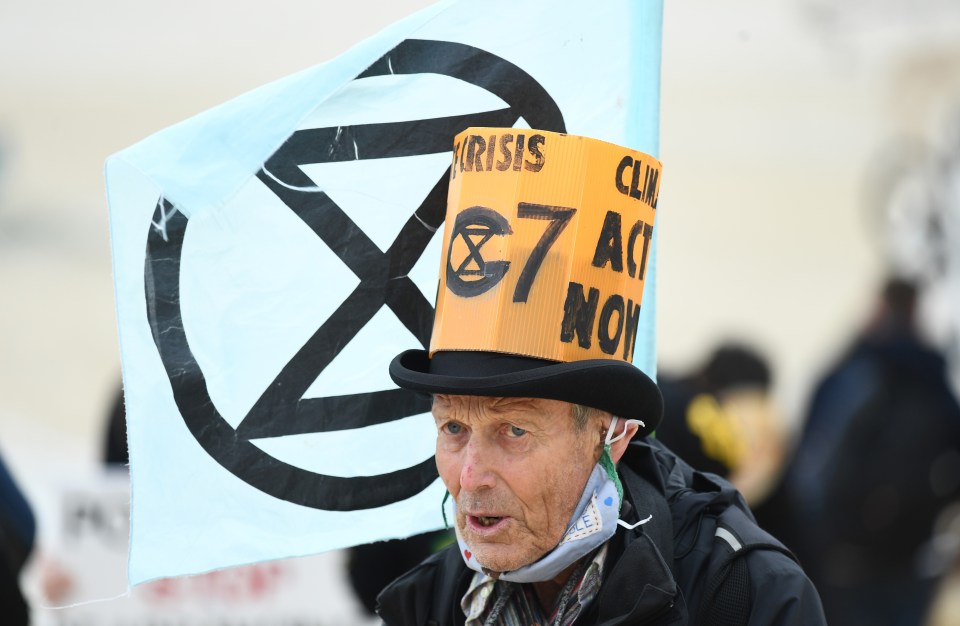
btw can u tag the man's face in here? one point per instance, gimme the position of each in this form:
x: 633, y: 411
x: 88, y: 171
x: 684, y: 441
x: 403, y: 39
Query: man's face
x: 516, y: 468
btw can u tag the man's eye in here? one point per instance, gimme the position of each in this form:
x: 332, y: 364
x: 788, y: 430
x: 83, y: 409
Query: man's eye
x: 516, y: 431
x: 453, y: 428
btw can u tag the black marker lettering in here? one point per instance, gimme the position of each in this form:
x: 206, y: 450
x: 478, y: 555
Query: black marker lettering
x: 647, y: 233
x: 610, y: 244
x: 631, y: 248
x: 650, y: 187
x: 470, y: 147
x: 518, y: 154
x: 625, y: 162
x: 481, y: 145
x: 559, y: 217
x: 534, y: 146
x: 490, y: 152
x: 608, y: 343
x: 635, y: 182
x: 456, y: 158
x: 578, y: 314
x: 505, y: 139
x: 630, y: 325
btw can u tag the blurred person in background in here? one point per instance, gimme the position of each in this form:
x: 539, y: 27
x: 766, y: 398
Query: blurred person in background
x: 721, y: 419
x: 878, y: 460
x: 17, y: 532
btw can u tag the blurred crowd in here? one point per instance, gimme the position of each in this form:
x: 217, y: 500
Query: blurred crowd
x: 867, y: 494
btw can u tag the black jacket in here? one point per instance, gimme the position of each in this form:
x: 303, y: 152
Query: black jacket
x: 663, y: 572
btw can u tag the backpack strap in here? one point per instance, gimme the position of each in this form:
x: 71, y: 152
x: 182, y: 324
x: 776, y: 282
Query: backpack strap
x: 728, y: 596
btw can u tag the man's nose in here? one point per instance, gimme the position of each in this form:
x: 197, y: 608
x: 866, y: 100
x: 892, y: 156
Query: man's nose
x: 477, y: 471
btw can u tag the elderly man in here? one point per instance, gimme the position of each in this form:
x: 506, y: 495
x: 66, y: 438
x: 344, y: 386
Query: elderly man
x: 566, y: 511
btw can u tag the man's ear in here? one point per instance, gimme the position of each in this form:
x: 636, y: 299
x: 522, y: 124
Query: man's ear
x: 623, y: 432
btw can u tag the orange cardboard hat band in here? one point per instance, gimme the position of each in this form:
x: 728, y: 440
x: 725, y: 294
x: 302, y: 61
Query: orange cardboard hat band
x: 545, y: 245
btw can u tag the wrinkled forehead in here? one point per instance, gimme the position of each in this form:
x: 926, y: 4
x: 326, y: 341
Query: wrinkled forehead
x: 538, y: 410
x: 490, y: 404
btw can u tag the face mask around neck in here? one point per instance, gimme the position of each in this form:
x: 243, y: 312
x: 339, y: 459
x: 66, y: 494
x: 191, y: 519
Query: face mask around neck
x: 594, y: 522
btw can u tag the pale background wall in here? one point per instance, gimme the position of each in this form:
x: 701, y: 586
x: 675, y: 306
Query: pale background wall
x: 772, y: 114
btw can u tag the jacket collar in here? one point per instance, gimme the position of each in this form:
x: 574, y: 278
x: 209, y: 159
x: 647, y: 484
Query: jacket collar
x: 642, y: 558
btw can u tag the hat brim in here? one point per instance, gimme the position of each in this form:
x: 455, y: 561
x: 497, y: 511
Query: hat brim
x: 617, y: 387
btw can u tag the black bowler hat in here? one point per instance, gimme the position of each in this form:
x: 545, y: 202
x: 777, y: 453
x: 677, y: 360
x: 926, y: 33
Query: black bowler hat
x: 614, y: 386
x: 542, y: 274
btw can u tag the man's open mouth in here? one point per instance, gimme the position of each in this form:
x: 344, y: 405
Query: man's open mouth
x: 487, y: 521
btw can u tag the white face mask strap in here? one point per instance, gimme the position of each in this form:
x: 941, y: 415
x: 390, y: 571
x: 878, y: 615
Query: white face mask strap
x: 632, y: 526
x: 613, y: 427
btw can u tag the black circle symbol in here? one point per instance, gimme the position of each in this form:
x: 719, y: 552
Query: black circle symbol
x: 282, y: 409
x: 473, y: 275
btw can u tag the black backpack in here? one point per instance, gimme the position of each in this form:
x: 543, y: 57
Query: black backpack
x: 712, y: 531
x: 728, y: 594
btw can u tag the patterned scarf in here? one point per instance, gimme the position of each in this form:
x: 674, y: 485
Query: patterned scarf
x: 490, y: 602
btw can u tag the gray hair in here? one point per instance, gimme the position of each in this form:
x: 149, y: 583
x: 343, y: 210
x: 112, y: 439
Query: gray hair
x: 581, y: 415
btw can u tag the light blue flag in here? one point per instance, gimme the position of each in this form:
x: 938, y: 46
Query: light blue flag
x: 272, y: 255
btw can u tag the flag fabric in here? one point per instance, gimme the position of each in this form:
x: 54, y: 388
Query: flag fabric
x: 272, y: 255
